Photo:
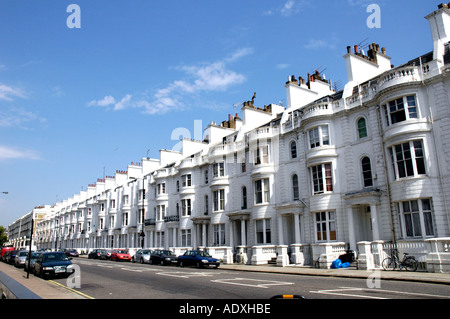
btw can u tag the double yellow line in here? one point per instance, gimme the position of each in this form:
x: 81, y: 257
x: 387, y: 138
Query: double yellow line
x: 71, y: 290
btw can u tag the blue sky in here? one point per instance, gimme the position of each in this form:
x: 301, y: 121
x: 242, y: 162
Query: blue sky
x: 79, y: 102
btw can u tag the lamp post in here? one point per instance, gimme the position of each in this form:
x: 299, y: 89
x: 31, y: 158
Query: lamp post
x: 29, y: 253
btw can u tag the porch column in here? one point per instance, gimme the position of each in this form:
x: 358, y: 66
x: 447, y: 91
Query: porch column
x: 174, y: 237
x: 297, y: 228
x: 373, y: 216
x: 203, y: 234
x: 243, y: 239
x: 194, y: 236
x: 280, y: 229
x: 351, y: 228
x: 231, y: 223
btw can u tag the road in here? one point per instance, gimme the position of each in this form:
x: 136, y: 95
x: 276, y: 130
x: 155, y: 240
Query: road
x: 101, y: 279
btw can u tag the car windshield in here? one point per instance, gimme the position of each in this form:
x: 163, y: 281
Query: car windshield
x: 23, y: 254
x: 122, y: 252
x: 203, y: 254
x: 167, y: 252
x: 55, y: 257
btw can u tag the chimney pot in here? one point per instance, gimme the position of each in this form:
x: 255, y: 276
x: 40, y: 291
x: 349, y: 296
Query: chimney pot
x: 356, y: 48
x: 349, y: 49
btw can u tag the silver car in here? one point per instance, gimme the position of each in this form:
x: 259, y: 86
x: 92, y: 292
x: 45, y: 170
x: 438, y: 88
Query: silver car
x: 142, y: 256
x: 19, y: 260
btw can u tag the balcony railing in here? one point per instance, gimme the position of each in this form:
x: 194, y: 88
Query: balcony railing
x: 173, y: 218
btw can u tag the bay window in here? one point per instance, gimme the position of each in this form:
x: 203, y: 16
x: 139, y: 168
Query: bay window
x: 325, y: 226
x: 322, y: 178
x: 262, y: 194
x: 219, y: 200
x: 408, y: 159
x: 416, y: 218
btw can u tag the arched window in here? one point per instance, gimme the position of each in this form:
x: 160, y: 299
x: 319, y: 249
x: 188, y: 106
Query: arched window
x: 295, y: 191
x: 366, y: 172
x: 362, y: 128
x: 244, y: 197
x: 293, y: 149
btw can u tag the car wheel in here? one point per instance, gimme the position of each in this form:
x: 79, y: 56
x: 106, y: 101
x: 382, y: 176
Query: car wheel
x: 142, y: 260
x: 132, y: 260
x: 198, y: 265
x: 180, y: 264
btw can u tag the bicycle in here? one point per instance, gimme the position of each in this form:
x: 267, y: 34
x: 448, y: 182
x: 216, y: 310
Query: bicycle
x: 392, y: 262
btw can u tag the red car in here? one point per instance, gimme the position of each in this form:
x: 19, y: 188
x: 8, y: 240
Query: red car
x: 120, y: 254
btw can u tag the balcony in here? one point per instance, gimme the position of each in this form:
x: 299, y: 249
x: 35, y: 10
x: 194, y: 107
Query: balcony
x: 173, y: 218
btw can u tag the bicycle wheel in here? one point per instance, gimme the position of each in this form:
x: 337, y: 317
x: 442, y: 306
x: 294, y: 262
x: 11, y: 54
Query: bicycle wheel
x: 410, y: 264
x: 388, y: 264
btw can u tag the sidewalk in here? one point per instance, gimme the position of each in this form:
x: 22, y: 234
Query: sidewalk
x: 403, y: 275
x: 42, y: 288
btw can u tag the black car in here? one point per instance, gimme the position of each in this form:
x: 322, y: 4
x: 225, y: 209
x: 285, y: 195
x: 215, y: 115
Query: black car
x: 53, y: 264
x: 95, y: 254
x: 163, y: 257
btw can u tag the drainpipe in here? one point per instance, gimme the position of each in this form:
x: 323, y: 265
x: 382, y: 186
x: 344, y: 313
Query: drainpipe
x: 388, y: 190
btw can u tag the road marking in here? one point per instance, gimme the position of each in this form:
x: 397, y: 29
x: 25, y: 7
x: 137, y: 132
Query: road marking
x: 252, y: 282
x: 71, y: 290
x: 342, y: 291
x: 181, y: 274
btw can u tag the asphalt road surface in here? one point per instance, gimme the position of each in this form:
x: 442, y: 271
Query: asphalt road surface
x: 101, y: 279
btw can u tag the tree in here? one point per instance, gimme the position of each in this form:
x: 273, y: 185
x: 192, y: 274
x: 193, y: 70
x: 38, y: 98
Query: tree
x: 3, y: 237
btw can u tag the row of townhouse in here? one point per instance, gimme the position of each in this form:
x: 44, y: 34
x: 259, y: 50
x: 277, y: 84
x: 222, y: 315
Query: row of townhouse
x: 366, y: 169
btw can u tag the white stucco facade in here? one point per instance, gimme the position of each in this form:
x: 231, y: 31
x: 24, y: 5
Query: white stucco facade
x: 331, y: 171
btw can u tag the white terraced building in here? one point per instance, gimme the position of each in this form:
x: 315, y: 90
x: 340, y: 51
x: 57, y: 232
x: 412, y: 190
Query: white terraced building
x: 366, y: 169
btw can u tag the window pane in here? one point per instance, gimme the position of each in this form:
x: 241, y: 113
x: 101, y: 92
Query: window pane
x: 325, y: 136
x: 417, y: 228
x: 429, y: 230
x: 420, y: 161
x: 412, y: 110
x: 408, y: 225
x: 362, y: 130
x: 328, y: 177
x: 293, y: 149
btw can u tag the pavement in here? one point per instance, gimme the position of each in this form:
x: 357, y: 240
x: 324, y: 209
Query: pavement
x: 48, y: 289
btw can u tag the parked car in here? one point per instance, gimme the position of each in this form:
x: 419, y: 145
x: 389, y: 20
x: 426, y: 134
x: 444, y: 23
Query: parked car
x: 198, y: 258
x: 120, y: 254
x: 72, y: 253
x: 163, y: 257
x: 19, y: 260
x: 4, y: 250
x: 34, y: 256
x: 53, y: 264
x: 105, y: 254
x: 142, y: 256
x: 95, y: 254
x: 10, y: 256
